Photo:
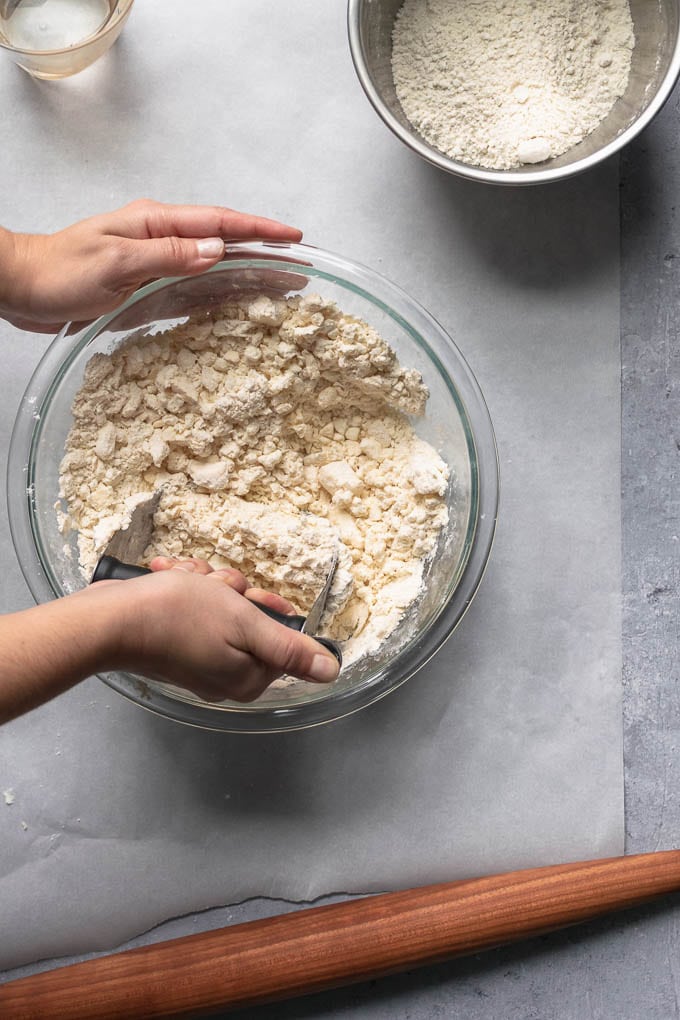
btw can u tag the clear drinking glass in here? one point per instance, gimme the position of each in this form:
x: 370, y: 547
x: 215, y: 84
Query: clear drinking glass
x: 56, y: 38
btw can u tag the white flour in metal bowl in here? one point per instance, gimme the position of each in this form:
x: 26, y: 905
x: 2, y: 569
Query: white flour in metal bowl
x: 278, y: 430
x: 501, y: 83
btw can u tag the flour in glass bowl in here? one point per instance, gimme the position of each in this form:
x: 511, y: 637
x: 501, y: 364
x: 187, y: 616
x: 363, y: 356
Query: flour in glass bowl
x: 278, y: 431
x: 502, y: 83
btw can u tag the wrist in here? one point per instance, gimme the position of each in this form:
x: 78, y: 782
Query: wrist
x: 13, y: 272
x: 91, y: 624
x: 113, y: 619
x: 7, y: 267
x: 130, y: 636
x: 51, y: 647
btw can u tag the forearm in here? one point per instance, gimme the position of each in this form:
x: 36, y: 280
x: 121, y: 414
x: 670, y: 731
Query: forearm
x: 46, y: 650
x: 184, y: 624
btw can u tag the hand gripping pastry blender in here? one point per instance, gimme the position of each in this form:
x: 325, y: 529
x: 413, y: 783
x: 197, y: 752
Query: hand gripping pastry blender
x: 128, y: 544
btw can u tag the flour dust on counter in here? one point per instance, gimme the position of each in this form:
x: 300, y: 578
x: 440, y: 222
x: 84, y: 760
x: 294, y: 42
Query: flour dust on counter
x: 278, y: 431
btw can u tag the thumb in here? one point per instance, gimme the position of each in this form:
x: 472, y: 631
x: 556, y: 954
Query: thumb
x: 286, y: 650
x: 172, y: 256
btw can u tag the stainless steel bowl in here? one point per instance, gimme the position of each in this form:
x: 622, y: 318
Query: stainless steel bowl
x: 654, y: 71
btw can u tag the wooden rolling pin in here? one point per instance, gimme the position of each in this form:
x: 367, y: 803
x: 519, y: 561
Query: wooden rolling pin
x: 324, y: 947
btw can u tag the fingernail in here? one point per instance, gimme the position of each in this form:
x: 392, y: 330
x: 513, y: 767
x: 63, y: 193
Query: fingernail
x: 166, y: 561
x: 190, y: 567
x: 211, y: 248
x: 324, y: 669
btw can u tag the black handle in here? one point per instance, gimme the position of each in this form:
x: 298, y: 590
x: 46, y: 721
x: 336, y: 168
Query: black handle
x: 297, y: 623
x: 111, y: 569
x: 294, y: 622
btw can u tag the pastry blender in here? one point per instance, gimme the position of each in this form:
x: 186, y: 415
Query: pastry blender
x: 128, y: 545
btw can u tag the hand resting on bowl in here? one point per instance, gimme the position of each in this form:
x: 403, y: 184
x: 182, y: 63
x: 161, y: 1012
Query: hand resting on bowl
x: 90, y: 268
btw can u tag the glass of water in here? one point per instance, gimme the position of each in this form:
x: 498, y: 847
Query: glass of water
x: 56, y: 38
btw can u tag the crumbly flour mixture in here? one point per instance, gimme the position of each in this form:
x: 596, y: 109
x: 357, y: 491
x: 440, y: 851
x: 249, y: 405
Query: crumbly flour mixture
x: 501, y: 83
x: 277, y: 430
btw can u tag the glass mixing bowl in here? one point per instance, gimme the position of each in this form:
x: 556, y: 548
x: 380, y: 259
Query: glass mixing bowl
x: 456, y: 423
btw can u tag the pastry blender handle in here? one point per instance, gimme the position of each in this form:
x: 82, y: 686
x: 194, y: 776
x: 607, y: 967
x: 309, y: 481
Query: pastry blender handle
x: 110, y: 569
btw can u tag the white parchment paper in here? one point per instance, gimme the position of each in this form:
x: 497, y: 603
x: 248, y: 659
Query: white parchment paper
x: 506, y: 750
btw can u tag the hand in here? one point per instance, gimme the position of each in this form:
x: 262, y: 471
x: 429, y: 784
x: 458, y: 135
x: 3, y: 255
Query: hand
x: 187, y: 624
x: 195, y: 627
x: 90, y: 268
